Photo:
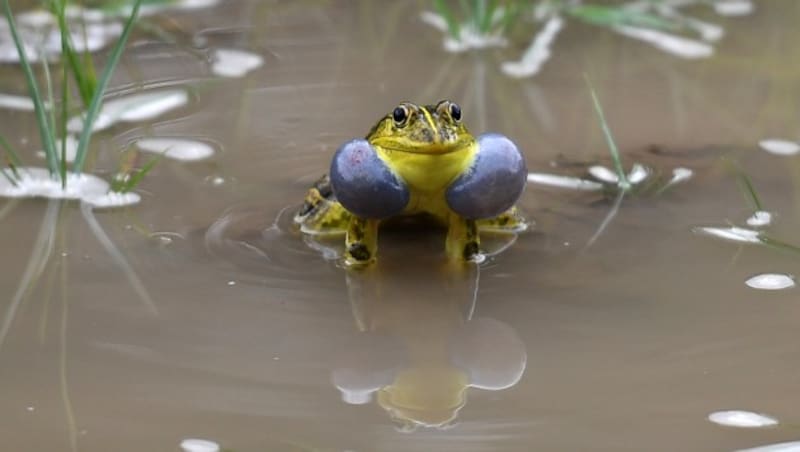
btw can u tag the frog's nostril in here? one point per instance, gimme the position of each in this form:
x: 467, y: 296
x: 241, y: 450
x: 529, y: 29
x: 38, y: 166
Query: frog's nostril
x: 494, y: 181
x: 364, y: 185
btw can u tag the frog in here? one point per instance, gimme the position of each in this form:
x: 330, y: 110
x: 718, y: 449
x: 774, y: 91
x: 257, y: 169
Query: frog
x: 418, y: 160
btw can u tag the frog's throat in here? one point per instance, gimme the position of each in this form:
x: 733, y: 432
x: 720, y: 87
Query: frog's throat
x: 426, y: 171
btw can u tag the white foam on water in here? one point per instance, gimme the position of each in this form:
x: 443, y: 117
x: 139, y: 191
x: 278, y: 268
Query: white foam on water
x: 37, y: 183
x: 112, y: 199
x: 771, y: 281
x: 554, y: 180
x: 603, y: 174
x: 133, y: 108
x: 680, y: 174
x: 760, y: 218
x: 36, y: 18
x: 790, y: 446
x: 176, y: 148
x: 199, y: 445
x: 744, y: 419
x: 14, y: 102
x: 538, y: 53
x: 71, y: 148
x: 779, y: 147
x: 734, y: 7
x: 676, y: 45
x: 638, y: 173
x: 235, y: 63
x: 469, y: 37
x: 732, y: 233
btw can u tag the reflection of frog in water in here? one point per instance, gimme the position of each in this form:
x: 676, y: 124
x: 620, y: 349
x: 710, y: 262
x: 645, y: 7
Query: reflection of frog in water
x: 418, y: 160
x: 419, y: 348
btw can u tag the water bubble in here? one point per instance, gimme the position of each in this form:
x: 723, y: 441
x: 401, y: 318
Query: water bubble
x: 771, y: 281
x: 744, y: 419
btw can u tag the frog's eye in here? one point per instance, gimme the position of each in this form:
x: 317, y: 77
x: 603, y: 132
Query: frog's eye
x: 400, y: 115
x: 455, y: 111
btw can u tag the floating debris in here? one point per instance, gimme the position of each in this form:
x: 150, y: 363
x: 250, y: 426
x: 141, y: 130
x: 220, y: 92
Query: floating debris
x: 779, y: 147
x: 771, y: 281
x: 133, y: 108
x: 638, y: 174
x: 199, y: 445
x: 733, y: 7
x: 791, y: 446
x: 745, y: 419
x: 554, y: 180
x: 676, y: 45
x: 176, y: 148
x: 235, y: 63
x: 732, y: 233
x: 538, y: 52
x: 759, y: 219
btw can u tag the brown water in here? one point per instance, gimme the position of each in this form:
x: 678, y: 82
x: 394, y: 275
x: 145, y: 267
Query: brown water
x: 628, y: 344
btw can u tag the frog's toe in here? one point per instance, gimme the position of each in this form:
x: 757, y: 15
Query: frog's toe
x: 494, y: 181
x: 363, y: 183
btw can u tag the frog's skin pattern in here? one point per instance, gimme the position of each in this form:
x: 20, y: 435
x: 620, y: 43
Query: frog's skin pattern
x: 418, y: 160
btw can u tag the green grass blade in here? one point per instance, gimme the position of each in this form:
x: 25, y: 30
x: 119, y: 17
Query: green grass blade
x: 45, y: 132
x: 81, y: 72
x: 97, y: 98
x: 746, y: 185
x: 52, y: 115
x: 488, y: 15
x: 137, y: 176
x: 610, y: 16
x: 62, y: 129
x: 12, y: 156
x: 447, y: 14
x: 612, y: 145
x: 14, y: 176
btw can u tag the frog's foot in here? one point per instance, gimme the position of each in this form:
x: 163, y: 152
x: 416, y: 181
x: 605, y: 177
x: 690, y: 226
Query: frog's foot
x: 361, y: 242
x: 509, y: 221
x: 321, y: 213
x: 463, y: 242
x: 493, y: 182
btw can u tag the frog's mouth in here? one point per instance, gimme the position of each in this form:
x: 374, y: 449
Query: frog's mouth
x: 423, y: 147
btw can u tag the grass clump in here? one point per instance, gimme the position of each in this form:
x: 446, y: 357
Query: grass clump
x: 91, y: 89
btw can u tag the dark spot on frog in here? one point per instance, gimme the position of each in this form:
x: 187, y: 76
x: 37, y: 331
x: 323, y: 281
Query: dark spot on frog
x: 359, y: 252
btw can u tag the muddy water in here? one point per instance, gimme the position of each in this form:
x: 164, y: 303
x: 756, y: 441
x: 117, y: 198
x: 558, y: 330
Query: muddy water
x: 255, y: 341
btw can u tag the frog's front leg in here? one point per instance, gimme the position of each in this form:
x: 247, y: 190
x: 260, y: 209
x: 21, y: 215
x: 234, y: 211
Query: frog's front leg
x: 488, y: 188
x: 368, y: 189
x: 361, y: 241
x: 462, y: 240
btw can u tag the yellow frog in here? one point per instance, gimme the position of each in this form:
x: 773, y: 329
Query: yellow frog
x: 418, y: 160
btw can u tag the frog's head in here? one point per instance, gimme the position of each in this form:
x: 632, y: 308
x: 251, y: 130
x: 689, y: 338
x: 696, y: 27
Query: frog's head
x: 422, y: 129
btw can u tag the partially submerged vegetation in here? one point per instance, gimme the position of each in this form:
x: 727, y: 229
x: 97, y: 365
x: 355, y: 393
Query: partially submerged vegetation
x: 476, y: 24
x: 52, y: 122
